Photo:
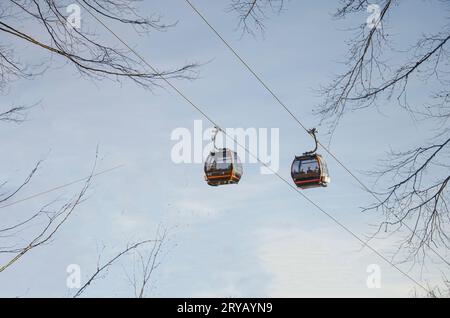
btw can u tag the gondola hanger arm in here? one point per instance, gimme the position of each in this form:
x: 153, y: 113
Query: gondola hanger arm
x: 215, y: 131
x: 313, y: 133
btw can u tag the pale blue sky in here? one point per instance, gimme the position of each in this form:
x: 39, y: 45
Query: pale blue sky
x: 256, y: 239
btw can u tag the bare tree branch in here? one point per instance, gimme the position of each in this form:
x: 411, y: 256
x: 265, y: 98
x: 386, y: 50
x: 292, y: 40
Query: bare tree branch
x: 418, y: 197
x: 149, y: 264
x: 6, y: 197
x: 417, y: 180
x: 77, y: 46
x: 253, y: 13
x: 54, y: 221
x: 14, y: 115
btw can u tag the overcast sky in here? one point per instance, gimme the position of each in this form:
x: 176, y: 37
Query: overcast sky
x: 256, y: 239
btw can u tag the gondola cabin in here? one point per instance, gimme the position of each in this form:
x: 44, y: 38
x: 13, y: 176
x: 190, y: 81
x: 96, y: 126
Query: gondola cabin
x: 310, y: 171
x: 223, y: 167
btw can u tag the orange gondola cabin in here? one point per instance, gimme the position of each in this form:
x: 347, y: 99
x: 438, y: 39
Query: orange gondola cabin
x: 310, y: 170
x: 223, y: 167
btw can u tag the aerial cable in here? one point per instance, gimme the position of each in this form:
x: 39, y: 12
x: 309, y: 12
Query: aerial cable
x: 297, y: 120
x: 335, y: 220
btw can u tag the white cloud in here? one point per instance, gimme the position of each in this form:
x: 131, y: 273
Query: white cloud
x: 314, y: 263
